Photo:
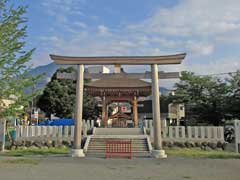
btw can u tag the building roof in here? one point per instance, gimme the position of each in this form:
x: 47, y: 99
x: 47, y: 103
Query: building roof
x: 118, y: 83
x: 118, y: 87
x: 128, y: 60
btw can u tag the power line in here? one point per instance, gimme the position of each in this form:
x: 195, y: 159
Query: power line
x: 219, y: 74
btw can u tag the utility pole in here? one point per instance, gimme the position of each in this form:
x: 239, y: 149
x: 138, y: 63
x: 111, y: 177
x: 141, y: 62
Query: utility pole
x: 3, y: 134
x: 32, y: 104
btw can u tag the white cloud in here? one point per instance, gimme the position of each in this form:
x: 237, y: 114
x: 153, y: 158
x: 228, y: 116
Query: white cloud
x: 80, y: 24
x: 103, y: 30
x: 199, y: 48
x: 228, y: 64
x: 218, y: 66
x: 194, y: 26
x: 61, y: 10
x: 229, y: 39
x: 195, y: 17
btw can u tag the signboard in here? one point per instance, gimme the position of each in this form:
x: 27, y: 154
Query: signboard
x: 66, y: 76
x: 1, y: 130
x: 124, y: 109
x: 35, y: 115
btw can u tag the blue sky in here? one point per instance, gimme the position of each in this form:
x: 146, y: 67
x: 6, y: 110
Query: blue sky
x: 208, y: 31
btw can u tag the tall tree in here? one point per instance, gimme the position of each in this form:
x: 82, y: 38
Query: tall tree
x: 14, y: 58
x: 59, y: 98
x: 233, y: 102
x: 204, y: 96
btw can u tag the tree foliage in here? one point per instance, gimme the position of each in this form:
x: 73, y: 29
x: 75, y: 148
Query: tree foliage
x: 203, y: 96
x: 14, y: 58
x: 233, y: 100
x: 59, y: 98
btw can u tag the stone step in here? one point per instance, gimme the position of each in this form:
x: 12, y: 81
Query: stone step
x: 134, y: 150
x: 104, y: 147
x: 100, y: 151
x: 133, y: 142
x: 104, y: 143
x: 118, y: 131
x: 97, y: 144
x: 121, y: 139
x: 103, y: 155
x: 104, y: 140
x: 104, y: 150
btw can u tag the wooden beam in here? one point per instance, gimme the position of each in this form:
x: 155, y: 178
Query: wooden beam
x: 128, y: 60
x: 147, y: 75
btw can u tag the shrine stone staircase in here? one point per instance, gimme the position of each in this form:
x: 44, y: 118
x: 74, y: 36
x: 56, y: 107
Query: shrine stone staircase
x: 95, y: 145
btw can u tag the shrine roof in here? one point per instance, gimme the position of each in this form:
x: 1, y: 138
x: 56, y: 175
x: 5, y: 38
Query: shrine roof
x: 118, y: 83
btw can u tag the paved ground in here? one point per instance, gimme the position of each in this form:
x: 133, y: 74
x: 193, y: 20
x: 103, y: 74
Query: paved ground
x: 173, y: 168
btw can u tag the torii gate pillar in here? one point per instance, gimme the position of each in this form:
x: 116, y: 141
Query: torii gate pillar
x: 78, y: 151
x: 158, y: 152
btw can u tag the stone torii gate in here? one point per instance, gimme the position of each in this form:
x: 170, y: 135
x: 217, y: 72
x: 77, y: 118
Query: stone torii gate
x: 154, y: 61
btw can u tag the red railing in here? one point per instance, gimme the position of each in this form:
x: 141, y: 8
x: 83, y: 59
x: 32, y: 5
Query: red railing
x: 119, y: 148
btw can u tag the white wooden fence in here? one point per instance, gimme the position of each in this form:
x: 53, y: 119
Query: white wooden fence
x: 174, y: 133
x: 237, y: 135
x: 190, y: 133
x: 32, y: 133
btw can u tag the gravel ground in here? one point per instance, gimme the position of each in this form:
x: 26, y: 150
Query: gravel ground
x: 172, y: 168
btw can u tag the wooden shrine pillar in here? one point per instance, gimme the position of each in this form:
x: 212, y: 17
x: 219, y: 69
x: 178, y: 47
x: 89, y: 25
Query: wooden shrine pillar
x: 157, y: 152
x: 104, y: 111
x: 135, y: 111
x: 77, y: 151
x: 107, y: 113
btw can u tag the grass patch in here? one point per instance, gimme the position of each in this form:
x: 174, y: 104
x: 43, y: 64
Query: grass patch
x: 27, y: 152
x: 196, y: 153
x: 21, y: 161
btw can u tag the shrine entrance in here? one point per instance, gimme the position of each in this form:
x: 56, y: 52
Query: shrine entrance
x: 121, y: 115
x: 120, y: 87
x: 119, y: 120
